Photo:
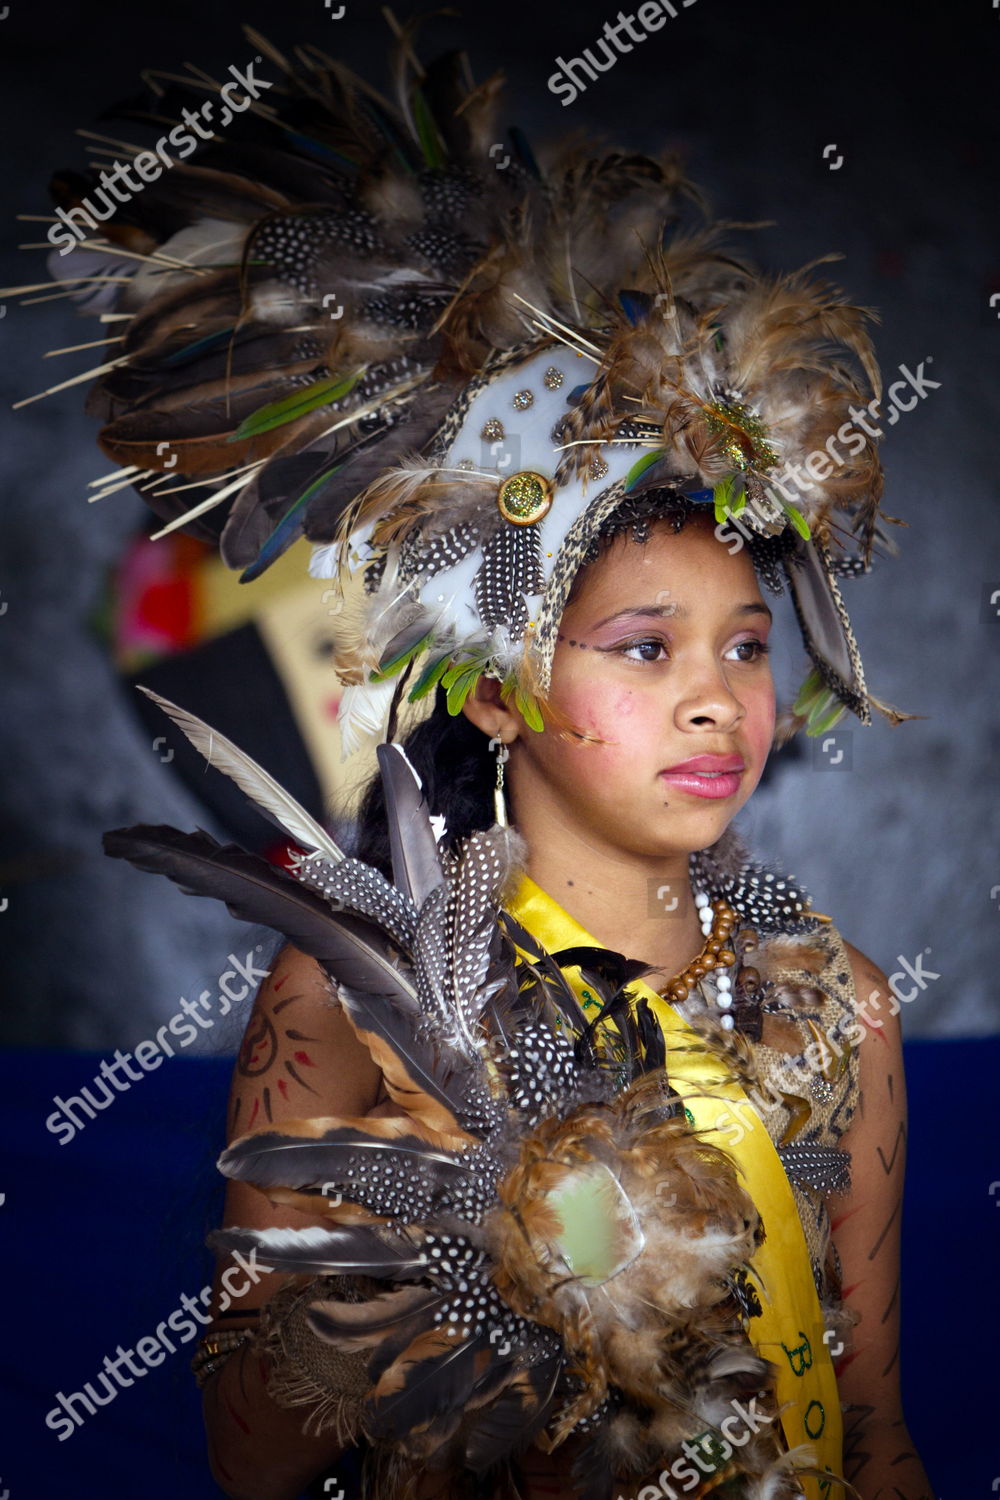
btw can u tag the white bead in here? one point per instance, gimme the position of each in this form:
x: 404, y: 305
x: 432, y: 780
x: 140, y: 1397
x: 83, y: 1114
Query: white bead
x: 724, y: 1000
x: 727, y: 1023
x: 701, y: 899
x: 723, y: 981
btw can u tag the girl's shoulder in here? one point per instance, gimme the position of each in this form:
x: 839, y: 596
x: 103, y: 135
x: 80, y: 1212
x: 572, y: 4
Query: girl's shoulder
x: 300, y: 1056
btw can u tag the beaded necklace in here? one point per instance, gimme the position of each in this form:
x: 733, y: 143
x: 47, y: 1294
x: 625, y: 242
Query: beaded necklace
x: 753, y: 896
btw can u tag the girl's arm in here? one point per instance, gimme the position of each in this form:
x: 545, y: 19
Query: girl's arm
x: 299, y: 1058
x: 879, y: 1454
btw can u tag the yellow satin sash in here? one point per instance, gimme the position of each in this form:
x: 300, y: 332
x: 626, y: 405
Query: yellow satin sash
x: 789, y: 1330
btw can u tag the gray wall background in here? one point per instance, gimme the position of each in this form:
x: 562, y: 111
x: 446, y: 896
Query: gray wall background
x: 898, y: 840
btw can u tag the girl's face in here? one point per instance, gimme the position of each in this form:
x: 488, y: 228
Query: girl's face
x: 662, y: 655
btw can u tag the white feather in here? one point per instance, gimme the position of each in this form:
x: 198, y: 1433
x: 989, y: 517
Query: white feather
x: 324, y: 559
x: 250, y: 778
x: 363, y: 715
x: 779, y: 1482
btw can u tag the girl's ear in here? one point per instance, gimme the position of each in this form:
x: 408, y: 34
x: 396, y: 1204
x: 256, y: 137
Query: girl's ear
x: 487, y: 710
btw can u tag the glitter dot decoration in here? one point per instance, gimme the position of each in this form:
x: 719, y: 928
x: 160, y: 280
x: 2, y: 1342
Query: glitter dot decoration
x: 744, y: 436
x: 522, y: 400
x: 598, y: 467
x: 465, y: 463
x: 525, y: 498
x: 553, y: 378
x: 492, y: 430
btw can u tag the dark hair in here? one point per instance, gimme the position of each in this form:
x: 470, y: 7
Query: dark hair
x: 452, y: 756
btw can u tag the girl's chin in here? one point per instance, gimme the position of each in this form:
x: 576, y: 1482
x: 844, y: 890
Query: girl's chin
x: 688, y: 829
x: 659, y: 838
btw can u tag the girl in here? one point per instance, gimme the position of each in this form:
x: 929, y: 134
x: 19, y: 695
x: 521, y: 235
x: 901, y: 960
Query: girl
x: 662, y: 660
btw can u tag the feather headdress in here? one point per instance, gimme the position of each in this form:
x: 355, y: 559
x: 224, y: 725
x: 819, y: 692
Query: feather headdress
x: 529, y: 1282
x: 377, y: 325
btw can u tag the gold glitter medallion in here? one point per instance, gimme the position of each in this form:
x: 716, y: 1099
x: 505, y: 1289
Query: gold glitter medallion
x: 525, y: 498
x: 744, y: 436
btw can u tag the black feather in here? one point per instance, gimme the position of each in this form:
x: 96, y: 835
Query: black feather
x: 345, y: 1249
x: 416, y: 862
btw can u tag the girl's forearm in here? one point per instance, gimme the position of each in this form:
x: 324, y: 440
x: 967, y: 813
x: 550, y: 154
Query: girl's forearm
x: 257, y: 1449
x: 880, y: 1459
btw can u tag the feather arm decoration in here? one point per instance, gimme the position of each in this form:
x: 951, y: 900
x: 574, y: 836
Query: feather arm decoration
x: 376, y: 996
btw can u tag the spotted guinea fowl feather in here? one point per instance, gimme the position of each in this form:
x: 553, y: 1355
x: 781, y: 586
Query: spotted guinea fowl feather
x: 282, y: 1156
x: 355, y: 886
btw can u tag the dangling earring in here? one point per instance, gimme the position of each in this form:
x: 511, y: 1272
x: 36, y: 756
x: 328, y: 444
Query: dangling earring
x: 499, y: 800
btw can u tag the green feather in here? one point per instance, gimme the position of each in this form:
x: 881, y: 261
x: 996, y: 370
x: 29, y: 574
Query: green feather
x: 298, y: 404
x: 429, y: 678
x: 723, y: 496
x: 459, y: 681
x: 528, y: 708
x: 798, y: 520
x: 389, y: 666
x: 825, y: 712
x: 818, y: 705
x: 641, y: 465
x: 812, y: 686
x: 276, y: 542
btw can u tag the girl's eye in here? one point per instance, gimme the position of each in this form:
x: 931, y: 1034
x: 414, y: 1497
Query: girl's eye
x: 755, y: 650
x: 653, y: 649
x: 651, y: 645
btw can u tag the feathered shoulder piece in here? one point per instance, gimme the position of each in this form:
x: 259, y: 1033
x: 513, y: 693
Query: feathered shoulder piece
x: 554, y: 1250
x: 386, y: 325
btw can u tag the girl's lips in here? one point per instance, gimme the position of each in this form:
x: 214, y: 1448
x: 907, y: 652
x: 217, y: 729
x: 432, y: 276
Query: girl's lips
x: 712, y: 784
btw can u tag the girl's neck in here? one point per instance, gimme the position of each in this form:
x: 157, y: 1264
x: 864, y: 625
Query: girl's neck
x: 641, y: 908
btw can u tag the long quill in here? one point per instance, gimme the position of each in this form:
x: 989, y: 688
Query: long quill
x: 272, y: 799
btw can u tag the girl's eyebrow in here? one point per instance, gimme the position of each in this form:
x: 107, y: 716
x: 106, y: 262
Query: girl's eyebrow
x: 677, y: 612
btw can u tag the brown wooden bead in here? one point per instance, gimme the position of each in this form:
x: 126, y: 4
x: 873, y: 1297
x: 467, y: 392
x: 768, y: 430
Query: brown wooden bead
x: 727, y: 957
